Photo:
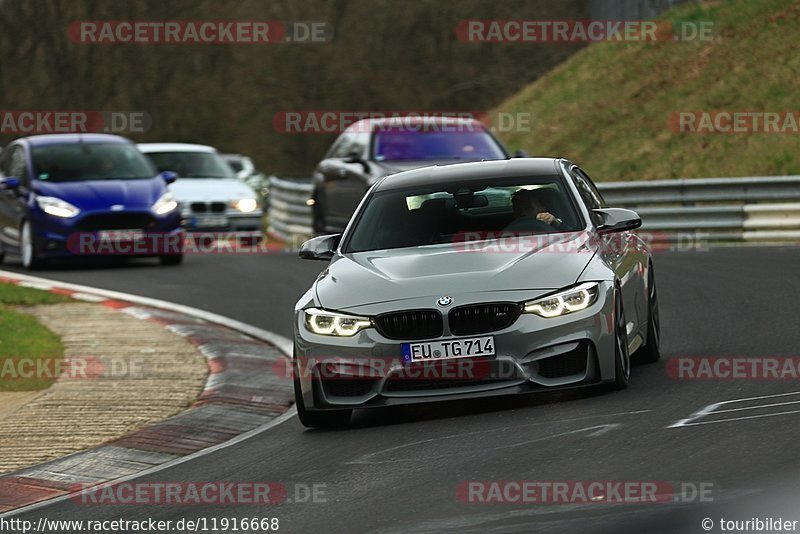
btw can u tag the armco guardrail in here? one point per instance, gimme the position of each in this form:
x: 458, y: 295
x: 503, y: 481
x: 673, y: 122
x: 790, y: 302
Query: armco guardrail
x: 752, y: 209
x: 289, y: 213
x: 757, y: 209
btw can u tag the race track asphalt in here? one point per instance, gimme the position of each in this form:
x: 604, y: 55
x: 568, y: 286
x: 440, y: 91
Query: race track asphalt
x: 399, y: 470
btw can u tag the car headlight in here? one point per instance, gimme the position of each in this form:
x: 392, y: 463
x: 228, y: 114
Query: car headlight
x: 329, y: 323
x: 570, y: 300
x: 57, y: 207
x: 245, y: 205
x: 165, y: 204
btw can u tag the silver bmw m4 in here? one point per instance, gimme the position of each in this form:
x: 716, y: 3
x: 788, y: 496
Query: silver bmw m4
x: 473, y: 280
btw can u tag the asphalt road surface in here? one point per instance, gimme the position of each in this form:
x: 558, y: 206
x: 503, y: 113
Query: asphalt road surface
x: 400, y: 470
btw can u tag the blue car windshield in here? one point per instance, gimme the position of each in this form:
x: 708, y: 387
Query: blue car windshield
x: 89, y: 161
x: 192, y: 164
x: 408, y: 144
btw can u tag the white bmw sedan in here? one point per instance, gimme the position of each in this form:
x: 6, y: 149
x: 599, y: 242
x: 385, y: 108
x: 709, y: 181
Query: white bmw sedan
x: 212, y: 198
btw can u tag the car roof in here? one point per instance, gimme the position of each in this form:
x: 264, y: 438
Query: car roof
x: 472, y: 171
x: 175, y: 147
x: 368, y: 125
x: 68, y: 139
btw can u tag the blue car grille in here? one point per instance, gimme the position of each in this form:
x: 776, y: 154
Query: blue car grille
x: 117, y: 221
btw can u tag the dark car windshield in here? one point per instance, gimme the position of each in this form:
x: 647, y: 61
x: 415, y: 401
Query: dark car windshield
x: 90, y: 161
x: 452, y: 213
x: 192, y: 164
x: 463, y: 143
x: 235, y: 164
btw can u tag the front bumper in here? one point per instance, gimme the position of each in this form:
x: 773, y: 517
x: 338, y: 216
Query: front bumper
x: 56, y: 237
x: 230, y: 221
x: 532, y: 354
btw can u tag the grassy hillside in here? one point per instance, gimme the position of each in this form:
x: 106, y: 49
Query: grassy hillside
x: 608, y: 106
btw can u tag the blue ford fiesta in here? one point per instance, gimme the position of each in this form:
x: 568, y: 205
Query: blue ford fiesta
x: 84, y: 194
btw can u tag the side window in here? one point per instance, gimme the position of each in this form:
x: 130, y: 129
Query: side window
x: 16, y: 165
x: 4, y: 159
x: 589, y: 192
x: 359, y: 144
x: 341, y: 146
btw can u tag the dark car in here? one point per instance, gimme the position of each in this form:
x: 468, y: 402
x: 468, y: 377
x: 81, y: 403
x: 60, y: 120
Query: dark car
x: 66, y: 194
x: 370, y: 149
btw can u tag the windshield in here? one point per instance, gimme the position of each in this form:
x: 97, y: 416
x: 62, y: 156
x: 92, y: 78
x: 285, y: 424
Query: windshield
x: 449, y: 213
x: 90, y: 161
x: 192, y: 164
x: 401, y: 144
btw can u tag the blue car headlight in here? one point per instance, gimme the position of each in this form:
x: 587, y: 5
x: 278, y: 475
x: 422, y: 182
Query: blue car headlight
x: 57, y: 207
x: 570, y: 300
x: 328, y: 323
x: 165, y: 204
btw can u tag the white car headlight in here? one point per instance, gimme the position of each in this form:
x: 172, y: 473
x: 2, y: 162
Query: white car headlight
x: 570, y: 300
x: 57, y: 207
x: 245, y: 205
x: 329, y: 323
x: 165, y: 204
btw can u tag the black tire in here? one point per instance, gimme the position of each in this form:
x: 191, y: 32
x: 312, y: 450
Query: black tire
x: 651, y: 351
x: 2, y: 253
x: 622, y: 358
x: 31, y: 259
x: 317, y: 419
x: 171, y: 259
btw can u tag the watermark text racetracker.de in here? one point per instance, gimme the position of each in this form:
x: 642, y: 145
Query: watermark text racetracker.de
x: 199, y: 493
x: 335, y: 121
x: 198, y: 32
x: 559, y: 492
x: 734, y: 368
x: 735, y: 122
x: 511, y: 242
x: 142, y: 243
x: 20, y: 369
x: 143, y: 525
x: 583, y: 31
x: 53, y: 121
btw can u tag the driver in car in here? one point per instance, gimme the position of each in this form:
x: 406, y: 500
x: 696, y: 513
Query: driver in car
x: 532, y: 213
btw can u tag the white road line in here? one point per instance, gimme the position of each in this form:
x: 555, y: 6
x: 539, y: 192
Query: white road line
x: 712, y: 409
x: 737, y: 418
x: 757, y: 407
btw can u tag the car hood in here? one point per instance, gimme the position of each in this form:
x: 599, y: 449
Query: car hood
x: 102, y: 194
x: 388, y: 275
x: 204, y: 189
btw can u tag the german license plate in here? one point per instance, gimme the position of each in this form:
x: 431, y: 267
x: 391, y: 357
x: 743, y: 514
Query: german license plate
x: 448, y: 349
x: 210, y: 222
x: 116, y: 236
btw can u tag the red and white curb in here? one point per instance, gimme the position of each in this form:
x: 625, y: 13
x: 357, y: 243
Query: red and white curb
x: 243, y: 397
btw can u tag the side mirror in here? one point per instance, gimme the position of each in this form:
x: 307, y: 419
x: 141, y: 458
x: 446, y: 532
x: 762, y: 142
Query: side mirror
x: 617, y: 220
x: 320, y: 248
x: 519, y: 153
x: 169, y: 176
x: 355, y: 157
x: 10, y: 182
